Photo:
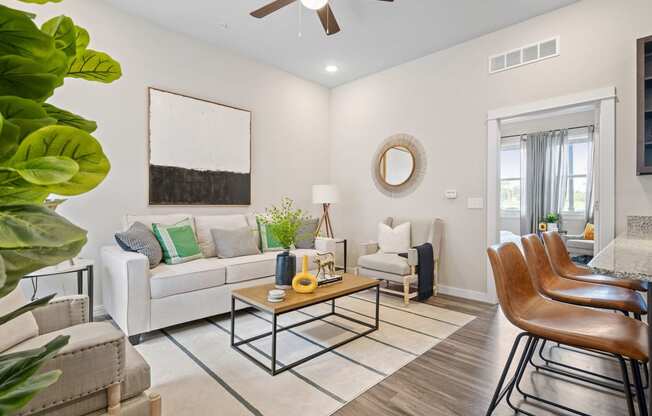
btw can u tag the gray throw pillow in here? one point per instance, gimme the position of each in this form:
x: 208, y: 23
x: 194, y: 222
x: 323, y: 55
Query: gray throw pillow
x: 140, y: 239
x: 306, y: 234
x: 234, y: 242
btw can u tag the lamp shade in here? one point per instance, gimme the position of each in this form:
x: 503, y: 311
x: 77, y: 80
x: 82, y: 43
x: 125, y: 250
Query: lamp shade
x: 325, y: 194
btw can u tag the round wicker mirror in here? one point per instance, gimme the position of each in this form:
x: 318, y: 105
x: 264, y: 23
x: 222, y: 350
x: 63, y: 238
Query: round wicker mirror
x: 399, y: 165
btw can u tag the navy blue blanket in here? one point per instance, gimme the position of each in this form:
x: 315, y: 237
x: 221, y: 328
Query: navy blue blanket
x: 425, y: 269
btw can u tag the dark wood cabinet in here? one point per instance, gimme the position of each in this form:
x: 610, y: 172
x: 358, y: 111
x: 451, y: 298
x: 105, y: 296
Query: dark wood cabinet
x: 644, y: 107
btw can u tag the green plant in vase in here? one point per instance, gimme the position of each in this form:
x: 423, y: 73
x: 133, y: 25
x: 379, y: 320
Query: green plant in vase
x: 552, y: 219
x: 283, y: 223
x: 44, y: 150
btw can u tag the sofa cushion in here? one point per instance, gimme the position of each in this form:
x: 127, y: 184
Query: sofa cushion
x: 385, y: 262
x: 20, y: 328
x: 306, y: 234
x: 394, y: 240
x: 140, y: 239
x: 167, y: 280
x: 148, y: 220
x: 178, y: 242
x: 234, y: 243
x: 204, y: 224
x: 241, y: 269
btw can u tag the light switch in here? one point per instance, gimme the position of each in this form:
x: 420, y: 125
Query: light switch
x: 475, y: 203
x: 451, y: 194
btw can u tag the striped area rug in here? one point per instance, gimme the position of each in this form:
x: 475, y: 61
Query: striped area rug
x: 197, y: 372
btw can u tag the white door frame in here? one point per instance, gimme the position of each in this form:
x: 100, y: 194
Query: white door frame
x: 604, y: 100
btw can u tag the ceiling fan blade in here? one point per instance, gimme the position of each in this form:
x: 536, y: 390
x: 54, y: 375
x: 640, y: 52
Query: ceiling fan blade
x: 328, y: 20
x: 271, y: 8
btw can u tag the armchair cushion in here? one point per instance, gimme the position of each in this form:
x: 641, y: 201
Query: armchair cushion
x: 93, y: 359
x: 394, y: 240
x: 20, y: 328
x: 62, y: 312
x: 136, y: 381
x: 385, y: 262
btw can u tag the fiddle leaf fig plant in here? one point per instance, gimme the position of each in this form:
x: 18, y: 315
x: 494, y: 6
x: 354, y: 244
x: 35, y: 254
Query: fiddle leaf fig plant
x: 44, y: 150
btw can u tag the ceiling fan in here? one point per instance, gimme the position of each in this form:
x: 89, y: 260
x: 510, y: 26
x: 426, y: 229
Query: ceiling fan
x: 322, y: 7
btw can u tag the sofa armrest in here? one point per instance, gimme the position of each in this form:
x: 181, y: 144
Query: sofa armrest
x: 370, y: 247
x: 412, y: 257
x: 61, y: 312
x: 572, y: 237
x: 93, y: 360
x: 125, y: 289
x: 325, y: 245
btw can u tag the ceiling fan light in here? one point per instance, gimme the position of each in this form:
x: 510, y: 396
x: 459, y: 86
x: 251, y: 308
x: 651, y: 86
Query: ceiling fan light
x: 314, y: 4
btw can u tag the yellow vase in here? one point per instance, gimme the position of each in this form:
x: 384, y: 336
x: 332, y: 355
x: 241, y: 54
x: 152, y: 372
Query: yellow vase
x: 304, y: 282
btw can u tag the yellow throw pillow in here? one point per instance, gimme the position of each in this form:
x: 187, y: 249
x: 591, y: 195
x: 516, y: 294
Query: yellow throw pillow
x: 589, y: 231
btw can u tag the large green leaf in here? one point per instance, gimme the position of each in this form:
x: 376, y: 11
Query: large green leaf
x: 94, y: 66
x: 73, y: 143
x: 32, y: 237
x: 24, y: 393
x: 18, y: 382
x: 21, y: 193
x: 9, y: 138
x: 82, y: 39
x: 24, y: 115
x: 66, y: 118
x: 28, y: 78
x: 62, y: 29
x: 46, y: 170
x: 26, y: 308
x: 20, y: 36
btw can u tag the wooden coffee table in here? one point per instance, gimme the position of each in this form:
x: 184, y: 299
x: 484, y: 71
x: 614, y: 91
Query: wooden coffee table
x: 256, y: 297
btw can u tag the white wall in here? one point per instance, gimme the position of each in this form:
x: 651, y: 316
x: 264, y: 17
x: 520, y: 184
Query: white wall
x: 443, y: 100
x: 289, y: 130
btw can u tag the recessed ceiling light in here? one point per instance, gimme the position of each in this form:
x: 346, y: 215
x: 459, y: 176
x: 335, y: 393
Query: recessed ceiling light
x: 332, y: 68
x: 314, y: 4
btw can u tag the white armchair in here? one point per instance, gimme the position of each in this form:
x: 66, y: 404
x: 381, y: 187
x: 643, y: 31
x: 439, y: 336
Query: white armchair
x: 397, y: 269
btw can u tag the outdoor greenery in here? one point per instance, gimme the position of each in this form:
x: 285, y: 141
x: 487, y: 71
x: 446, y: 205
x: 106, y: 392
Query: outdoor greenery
x: 284, y: 222
x: 552, y: 217
x: 44, y: 151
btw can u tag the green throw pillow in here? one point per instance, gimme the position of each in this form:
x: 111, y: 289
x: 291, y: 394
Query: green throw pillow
x: 178, y: 242
x: 267, y: 239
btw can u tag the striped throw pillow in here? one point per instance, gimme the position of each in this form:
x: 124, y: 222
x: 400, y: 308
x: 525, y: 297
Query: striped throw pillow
x: 178, y: 242
x: 139, y: 238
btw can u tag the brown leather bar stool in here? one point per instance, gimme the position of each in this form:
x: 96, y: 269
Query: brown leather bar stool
x: 565, y: 267
x: 550, y: 284
x: 545, y: 319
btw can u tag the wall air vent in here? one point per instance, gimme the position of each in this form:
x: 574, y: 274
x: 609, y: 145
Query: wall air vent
x: 545, y: 49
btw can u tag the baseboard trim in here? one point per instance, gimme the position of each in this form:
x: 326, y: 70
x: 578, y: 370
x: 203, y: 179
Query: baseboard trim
x: 465, y: 294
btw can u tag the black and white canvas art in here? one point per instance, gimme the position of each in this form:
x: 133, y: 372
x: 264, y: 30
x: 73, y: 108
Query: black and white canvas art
x: 199, y: 152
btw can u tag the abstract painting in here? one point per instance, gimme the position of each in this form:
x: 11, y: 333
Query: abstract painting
x: 199, y: 151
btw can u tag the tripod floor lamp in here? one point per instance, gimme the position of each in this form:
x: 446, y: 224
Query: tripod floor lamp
x: 325, y: 195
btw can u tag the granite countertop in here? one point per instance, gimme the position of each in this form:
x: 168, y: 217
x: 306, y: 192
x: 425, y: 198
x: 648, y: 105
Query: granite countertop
x: 628, y: 256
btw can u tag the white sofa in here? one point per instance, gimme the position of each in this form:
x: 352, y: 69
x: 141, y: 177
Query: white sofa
x: 141, y: 300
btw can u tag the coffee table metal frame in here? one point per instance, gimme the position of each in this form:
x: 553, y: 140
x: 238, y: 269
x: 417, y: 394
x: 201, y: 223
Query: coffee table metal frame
x: 273, y: 369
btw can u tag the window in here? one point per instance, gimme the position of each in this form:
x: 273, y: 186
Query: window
x: 510, y: 178
x: 578, y: 162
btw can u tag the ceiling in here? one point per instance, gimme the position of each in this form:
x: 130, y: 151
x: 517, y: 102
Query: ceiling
x: 375, y: 34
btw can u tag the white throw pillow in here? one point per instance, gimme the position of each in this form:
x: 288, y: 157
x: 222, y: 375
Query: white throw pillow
x: 204, y: 224
x: 18, y: 329
x: 394, y: 240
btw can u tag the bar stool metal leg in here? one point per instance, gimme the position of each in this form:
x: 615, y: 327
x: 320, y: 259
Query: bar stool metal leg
x: 499, y: 393
x: 628, y: 392
x: 640, y: 392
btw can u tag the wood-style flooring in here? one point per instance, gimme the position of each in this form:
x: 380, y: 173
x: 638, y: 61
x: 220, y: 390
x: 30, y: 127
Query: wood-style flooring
x: 458, y: 376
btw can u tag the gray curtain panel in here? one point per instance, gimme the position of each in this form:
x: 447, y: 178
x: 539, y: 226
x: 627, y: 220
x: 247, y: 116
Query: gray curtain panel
x: 590, y: 168
x: 543, y: 186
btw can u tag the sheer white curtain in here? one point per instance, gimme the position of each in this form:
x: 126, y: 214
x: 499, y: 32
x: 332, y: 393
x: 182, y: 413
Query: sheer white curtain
x: 590, y: 168
x: 544, y: 176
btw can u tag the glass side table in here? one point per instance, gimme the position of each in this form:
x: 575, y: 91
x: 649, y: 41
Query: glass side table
x: 78, y: 266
